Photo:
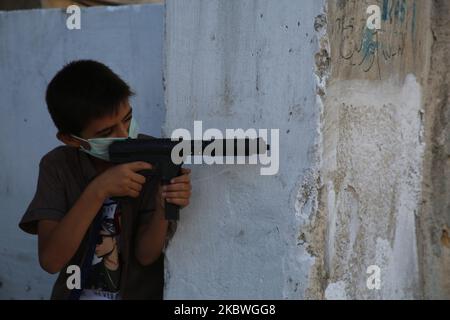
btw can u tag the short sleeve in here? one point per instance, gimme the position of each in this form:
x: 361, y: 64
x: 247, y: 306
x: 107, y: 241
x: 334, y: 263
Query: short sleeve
x: 49, y: 201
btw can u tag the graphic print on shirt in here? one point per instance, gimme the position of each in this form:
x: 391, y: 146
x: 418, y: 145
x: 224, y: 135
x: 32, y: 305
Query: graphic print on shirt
x: 104, y: 276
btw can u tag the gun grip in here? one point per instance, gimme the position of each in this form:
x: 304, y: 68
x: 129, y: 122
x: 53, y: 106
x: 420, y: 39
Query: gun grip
x: 172, y: 211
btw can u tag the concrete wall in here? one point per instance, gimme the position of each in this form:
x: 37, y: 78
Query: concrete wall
x: 434, y: 218
x: 244, y: 64
x: 34, y: 45
x: 385, y: 102
x: 363, y: 175
x: 373, y: 148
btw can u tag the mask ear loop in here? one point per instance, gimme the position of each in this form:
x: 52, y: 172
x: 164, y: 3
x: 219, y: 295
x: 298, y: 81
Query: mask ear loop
x: 85, y: 144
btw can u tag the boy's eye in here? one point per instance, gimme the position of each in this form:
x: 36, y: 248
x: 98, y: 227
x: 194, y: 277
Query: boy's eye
x: 109, y: 132
x: 127, y: 121
x: 106, y: 134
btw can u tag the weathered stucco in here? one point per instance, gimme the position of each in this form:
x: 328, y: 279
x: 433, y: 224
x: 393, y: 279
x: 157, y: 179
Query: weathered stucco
x: 385, y: 164
x: 434, y: 218
x: 375, y: 189
x: 372, y: 175
x: 244, y: 64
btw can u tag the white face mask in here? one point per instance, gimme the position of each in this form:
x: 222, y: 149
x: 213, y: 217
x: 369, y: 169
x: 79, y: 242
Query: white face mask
x: 99, y: 147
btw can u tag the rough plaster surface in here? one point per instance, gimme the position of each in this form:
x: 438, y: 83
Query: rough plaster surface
x: 385, y: 157
x: 372, y: 177
x: 244, y: 64
x: 434, y: 219
x: 34, y: 45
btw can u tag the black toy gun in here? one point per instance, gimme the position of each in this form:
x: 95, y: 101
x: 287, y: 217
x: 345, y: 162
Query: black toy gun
x: 160, y: 154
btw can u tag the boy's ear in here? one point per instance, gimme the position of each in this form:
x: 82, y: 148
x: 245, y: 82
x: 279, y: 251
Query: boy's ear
x: 68, y: 140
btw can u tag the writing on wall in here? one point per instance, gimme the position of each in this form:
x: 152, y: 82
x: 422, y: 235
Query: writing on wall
x: 379, y: 50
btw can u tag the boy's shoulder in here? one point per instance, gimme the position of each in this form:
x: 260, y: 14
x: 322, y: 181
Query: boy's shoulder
x: 58, y: 155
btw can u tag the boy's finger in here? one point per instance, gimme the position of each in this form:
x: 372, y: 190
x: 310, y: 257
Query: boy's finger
x: 177, y: 187
x: 177, y: 194
x: 178, y: 201
x: 135, y: 186
x: 183, y: 178
x: 132, y: 193
x: 139, y: 165
x: 136, y: 177
x: 185, y: 171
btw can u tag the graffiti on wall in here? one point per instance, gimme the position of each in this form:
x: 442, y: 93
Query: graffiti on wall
x: 370, y: 49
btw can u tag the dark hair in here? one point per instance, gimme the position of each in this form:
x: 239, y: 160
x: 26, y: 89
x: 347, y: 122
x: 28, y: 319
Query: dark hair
x: 82, y: 91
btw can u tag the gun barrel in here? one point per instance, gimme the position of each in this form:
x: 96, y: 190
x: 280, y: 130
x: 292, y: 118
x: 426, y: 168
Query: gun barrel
x: 229, y: 147
x: 121, y: 150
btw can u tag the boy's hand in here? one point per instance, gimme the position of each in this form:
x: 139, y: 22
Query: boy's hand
x: 121, y: 180
x: 179, y: 191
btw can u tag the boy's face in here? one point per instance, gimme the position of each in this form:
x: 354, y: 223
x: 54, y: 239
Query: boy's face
x: 110, y: 126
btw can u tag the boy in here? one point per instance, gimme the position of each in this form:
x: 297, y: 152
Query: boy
x: 106, y: 219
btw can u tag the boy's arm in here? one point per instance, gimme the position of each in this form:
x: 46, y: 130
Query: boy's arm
x: 58, y: 241
x: 152, y: 236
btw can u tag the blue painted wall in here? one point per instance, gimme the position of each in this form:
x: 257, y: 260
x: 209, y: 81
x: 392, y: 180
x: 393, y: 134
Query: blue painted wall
x: 34, y: 45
